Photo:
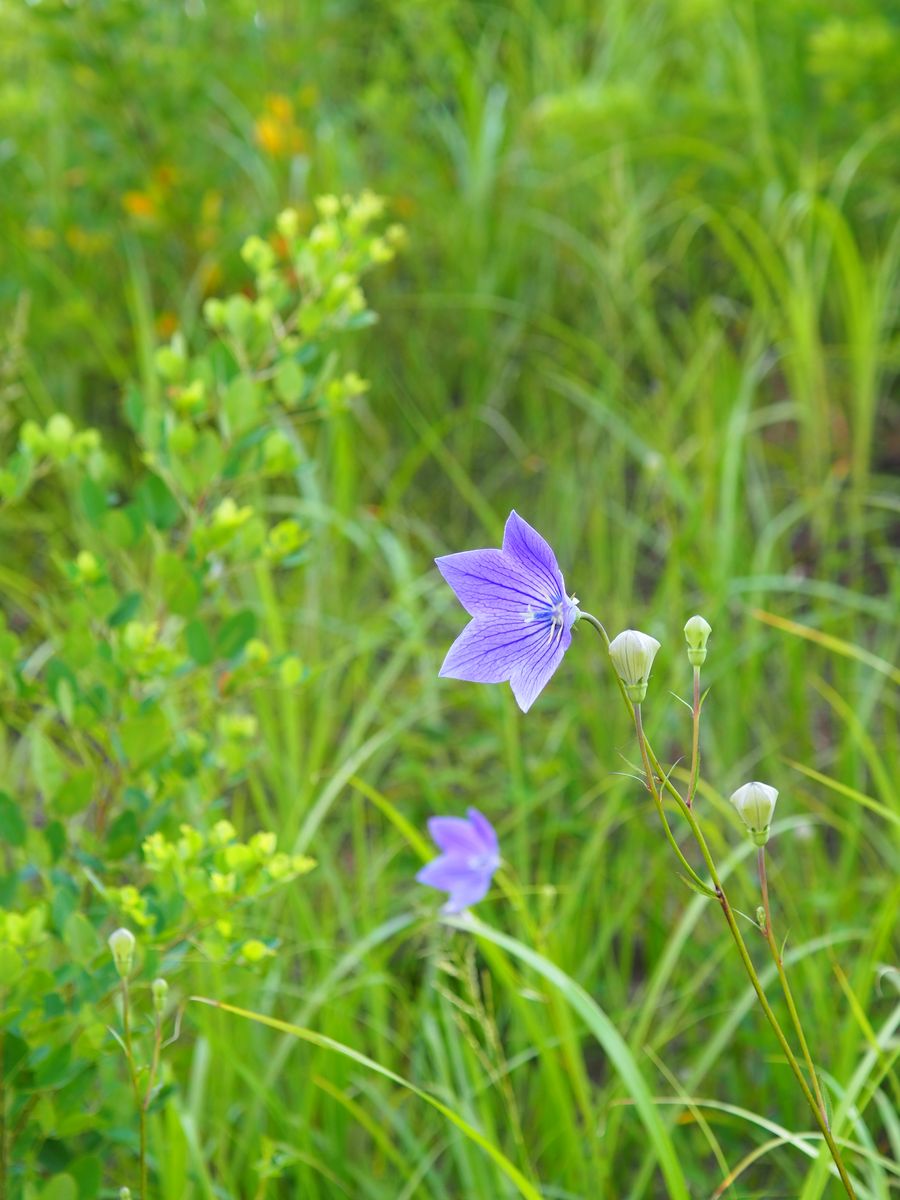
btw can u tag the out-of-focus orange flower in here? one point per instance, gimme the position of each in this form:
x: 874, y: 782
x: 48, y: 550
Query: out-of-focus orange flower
x: 140, y: 205
x: 275, y: 130
x: 166, y: 324
x: 269, y: 135
x: 280, y: 108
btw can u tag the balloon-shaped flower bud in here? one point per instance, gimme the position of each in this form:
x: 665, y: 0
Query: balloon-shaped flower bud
x: 122, y: 944
x: 696, y: 634
x: 632, y: 655
x: 756, y: 802
x: 160, y: 990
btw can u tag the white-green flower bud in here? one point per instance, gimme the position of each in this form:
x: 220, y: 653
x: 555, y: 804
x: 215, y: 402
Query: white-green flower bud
x: 124, y: 1193
x: 761, y: 916
x: 755, y: 802
x: 122, y: 944
x: 160, y: 990
x: 632, y: 655
x: 696, y: 634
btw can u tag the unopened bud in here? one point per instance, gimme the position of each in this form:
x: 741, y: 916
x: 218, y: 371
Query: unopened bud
x: 288, y: 223
x: 160, y: 990
x: 632, y: 655
x: 755, y: 802
x: 124, y: 1193
x: 122, y: 944
x: 761, y: 917
x: 59, y: 431
x: 87, y: 566
x: 696, y: 634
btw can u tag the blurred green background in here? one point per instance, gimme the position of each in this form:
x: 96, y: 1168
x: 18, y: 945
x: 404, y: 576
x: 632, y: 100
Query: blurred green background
x: 649, y: 299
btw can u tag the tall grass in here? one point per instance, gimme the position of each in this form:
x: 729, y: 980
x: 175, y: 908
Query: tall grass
x: 650, y: 301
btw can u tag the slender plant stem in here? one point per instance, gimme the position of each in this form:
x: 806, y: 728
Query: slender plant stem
x: 600, y: 629
x: 154, y: 1065
x: 651, y: 761
x: 586, y: 616
x: 758, y: 988
x: 132, y: 1070
x: 785, y: 986
x: 695, y: 741
x: 3, y: 1163
x: 657, y: 799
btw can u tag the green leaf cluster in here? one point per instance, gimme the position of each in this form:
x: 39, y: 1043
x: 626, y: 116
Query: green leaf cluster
x: 129, y: 742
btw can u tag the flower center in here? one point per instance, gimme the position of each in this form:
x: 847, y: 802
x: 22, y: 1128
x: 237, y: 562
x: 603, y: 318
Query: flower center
x: 556, y: 613
x: 483, y: 862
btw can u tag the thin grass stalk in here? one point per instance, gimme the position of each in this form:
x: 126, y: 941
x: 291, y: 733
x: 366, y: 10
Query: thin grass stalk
x: 785, y: 986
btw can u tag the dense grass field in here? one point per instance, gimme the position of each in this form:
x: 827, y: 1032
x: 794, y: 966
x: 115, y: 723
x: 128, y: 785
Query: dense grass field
x: 636, y: 276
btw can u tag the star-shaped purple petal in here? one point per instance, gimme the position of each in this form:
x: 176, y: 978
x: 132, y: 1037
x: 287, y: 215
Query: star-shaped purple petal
x: 521, y: 616
x: 470, y: 856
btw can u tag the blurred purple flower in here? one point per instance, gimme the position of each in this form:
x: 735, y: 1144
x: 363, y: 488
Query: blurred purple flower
x: 521, y: 616
x: 470, y: 856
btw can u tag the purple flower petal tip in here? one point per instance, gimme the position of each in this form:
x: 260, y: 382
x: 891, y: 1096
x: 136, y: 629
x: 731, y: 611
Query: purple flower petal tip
x: 521, y: 615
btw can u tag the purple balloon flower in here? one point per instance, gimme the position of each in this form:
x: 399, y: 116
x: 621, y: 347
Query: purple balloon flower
x: 521, y: 616
x: 470, y: 856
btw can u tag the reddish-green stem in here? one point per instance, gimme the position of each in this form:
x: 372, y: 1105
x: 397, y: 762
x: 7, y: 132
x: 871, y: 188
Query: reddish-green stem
x: 785, y: 986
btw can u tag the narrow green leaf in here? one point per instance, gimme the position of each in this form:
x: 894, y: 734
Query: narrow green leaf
x: 512, y: 1173
x: 610, y: 1039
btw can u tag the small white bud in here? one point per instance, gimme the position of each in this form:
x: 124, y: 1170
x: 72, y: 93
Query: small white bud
x: 632, y: 655
x: 755, y: 802
x: 122, y: 944
x: 696, y: 634
x: 160, y: 990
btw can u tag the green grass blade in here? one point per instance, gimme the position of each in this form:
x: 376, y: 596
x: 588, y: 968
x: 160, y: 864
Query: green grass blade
x: 609, y: 1038
x: 526, y: 1189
